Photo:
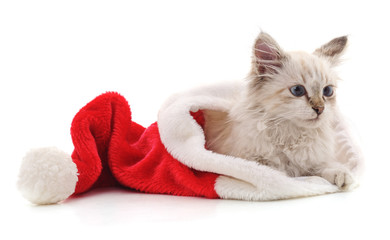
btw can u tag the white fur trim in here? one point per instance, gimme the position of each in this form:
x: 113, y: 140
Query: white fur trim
x: 47, y: 175
x: 242, y: 179
x: 273, y: 187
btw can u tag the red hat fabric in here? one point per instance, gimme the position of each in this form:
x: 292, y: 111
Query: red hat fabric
x: 168, y: 157
x: 110, y: 149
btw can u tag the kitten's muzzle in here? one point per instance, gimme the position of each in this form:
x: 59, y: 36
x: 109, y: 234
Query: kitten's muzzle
x: 318, y: 110
x: 317, y: 105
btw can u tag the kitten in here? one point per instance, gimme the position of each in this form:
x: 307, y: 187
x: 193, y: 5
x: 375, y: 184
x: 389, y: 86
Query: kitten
x: 286, y: 117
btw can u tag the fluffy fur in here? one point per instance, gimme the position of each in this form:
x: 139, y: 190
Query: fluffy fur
x: 239, y: 178
x: 47, y: 175
x: 268, y: 124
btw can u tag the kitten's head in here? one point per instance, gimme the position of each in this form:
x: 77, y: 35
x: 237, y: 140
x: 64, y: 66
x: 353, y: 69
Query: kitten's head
x: 294, y: 86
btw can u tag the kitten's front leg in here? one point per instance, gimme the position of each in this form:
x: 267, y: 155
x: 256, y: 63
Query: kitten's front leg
x: 338, y: 175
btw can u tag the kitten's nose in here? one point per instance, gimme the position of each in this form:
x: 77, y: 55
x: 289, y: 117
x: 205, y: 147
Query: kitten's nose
x: 318, y: 110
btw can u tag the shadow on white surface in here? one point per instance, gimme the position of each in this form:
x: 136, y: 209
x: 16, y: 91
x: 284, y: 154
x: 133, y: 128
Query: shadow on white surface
x: 121, y: 212
x: 121, y: 206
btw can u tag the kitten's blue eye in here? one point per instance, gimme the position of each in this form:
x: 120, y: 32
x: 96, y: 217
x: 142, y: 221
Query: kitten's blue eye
x: 298, y: 90
x: 327, y: 91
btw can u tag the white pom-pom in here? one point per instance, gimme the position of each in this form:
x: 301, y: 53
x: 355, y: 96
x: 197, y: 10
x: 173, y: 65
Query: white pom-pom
x: 47, y: 176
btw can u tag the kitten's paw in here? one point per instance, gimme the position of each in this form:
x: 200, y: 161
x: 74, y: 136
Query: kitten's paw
x: 340, y: 177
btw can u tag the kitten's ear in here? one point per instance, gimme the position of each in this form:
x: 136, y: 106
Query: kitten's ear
x: 333, y: 49
x: 267, y: 55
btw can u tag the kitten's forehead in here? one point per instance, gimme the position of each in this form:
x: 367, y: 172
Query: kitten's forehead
x: 311, y: 69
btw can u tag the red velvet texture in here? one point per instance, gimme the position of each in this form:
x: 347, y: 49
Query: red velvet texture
x: 111, y: 150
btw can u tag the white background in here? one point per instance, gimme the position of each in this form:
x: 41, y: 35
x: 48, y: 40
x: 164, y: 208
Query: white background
x: 55, y: 56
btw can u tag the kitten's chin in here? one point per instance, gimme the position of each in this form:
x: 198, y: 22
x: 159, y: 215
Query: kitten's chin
x: 309, y: 123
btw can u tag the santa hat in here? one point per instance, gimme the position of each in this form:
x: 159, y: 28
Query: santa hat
x: 168, y: 157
